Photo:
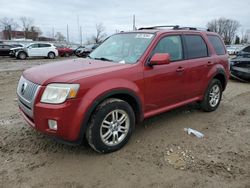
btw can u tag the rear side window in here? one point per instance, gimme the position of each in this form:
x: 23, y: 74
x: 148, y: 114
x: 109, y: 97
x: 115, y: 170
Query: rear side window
x: 196, y: 46
x: 44, y: 45
x: 217, y: 44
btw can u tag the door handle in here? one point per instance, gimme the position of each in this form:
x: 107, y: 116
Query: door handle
x: 180, y: 69
x: 210, y: 63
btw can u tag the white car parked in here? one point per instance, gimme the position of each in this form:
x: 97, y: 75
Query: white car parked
x: 37, y: 50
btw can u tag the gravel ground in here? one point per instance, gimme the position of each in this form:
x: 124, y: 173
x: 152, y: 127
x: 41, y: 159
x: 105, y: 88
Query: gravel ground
x: 159, y: 154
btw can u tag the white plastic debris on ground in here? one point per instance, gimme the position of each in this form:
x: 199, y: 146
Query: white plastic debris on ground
x: 194, y: 132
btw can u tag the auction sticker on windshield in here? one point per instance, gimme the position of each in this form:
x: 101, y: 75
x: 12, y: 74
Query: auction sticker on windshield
x: 144, y: 36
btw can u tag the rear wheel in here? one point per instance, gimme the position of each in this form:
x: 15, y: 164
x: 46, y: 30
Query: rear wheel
x: 22, y: 55
x: 111, y: 126
x: 212, y: 96
x: 51, y: 55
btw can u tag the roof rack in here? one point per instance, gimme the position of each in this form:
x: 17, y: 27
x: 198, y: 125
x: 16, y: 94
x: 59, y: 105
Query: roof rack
x: 160, y: 26
x: 174, y: 27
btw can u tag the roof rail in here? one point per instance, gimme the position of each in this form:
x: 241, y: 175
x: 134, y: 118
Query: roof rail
x: 160, y: 26
x: 174, y: 27
x: 193, y: 28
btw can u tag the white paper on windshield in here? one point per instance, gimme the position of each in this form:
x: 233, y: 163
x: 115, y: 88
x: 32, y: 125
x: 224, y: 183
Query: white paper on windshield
x: 122, y: 62
x: 144, y: 36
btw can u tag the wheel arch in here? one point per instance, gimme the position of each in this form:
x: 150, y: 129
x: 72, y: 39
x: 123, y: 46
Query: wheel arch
x: 51, y: 52
x: 221, y: 76
x: 23, y: 51
x: 124, y: 94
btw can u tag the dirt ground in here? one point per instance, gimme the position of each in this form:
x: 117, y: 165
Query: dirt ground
x: 159, y: 154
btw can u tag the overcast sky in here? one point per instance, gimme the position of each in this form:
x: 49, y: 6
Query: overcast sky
x: 118, y: 15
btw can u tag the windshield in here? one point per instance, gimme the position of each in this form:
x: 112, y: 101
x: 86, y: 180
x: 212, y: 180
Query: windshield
x: 123, y: 48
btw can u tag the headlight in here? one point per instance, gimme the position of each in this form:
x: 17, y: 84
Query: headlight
x: 58, y: 93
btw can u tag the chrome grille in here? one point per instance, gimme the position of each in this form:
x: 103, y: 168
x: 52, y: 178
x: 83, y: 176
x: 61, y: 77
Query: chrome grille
x: 26, y: 92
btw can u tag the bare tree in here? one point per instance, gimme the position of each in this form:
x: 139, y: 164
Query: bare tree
x: 26, y: 24
x: 227, y: 28
x: 9, y: 25
x: 100, y: 33
x: 34, y: 33
x: 245, y: 36
x: 60, y: 37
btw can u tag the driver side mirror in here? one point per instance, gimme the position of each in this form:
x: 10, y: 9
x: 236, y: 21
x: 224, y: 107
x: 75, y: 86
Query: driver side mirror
x: 160, y: 59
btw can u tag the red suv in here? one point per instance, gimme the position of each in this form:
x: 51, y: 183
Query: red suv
x: 129, y: 77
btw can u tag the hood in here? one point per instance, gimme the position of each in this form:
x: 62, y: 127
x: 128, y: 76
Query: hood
x: 70, y: 71
x: 17, y: 48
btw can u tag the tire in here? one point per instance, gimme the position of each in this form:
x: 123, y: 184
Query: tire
x: 51, y: 55
x: 212, y: 96
x: 104, y: 128
x: 22, y: 55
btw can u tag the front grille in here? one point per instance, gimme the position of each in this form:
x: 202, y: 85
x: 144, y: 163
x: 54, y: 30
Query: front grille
x: 27, y: 92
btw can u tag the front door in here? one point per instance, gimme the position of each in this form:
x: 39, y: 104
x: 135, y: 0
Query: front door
x: 33, y: 50
x: 165, y: 84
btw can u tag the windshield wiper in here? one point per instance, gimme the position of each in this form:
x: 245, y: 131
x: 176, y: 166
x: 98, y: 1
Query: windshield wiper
x: 103, y: 59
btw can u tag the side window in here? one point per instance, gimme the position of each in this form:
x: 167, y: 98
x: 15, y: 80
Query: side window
x: 44, y: 45
x: 217, y: 44
x: 171, y: 45
x: 196, y: 46
x: 7, y: 46
x: 34, y: 46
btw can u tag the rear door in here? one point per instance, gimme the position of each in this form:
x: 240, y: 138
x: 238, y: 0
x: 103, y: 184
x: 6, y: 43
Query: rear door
x: 199, y: 62
x: 165, y: 84
x: 44, y: 49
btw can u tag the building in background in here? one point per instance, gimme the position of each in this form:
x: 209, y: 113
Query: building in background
x: 9, y: 35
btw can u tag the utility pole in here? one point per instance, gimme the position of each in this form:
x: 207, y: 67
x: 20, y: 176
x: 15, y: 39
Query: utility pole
x: 53, y: 32
x: 134, y: 28
x: 78, y: 27
x: 67, y: 33
x: 81, y: 35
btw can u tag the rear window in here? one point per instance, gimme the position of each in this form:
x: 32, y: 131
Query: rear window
x: 247, y: 49
x: 196, y: 46
x: 217, y: 44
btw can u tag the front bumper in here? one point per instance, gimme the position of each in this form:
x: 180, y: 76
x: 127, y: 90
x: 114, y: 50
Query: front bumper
x: 68, y: 120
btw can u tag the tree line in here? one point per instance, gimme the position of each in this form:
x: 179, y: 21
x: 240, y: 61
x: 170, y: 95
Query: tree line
x: 228, y: 29
x: 31, y: 31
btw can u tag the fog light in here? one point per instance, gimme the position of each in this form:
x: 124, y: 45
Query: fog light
x: 52, y: 124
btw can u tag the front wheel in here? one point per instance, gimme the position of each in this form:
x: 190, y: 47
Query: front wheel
x: 212, y: 96
x: 111, y: 126
x: 22, y: 55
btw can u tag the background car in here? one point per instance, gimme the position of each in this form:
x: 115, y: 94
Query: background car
x: 15, y: 49
x: 37, y: 50
x: 245, y: 49
x: 240, y: 65
x: 232, y: 50
x: 5, y: 49
x: 17, y: 45
x: 84, y: 51
x: 64, y: 51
